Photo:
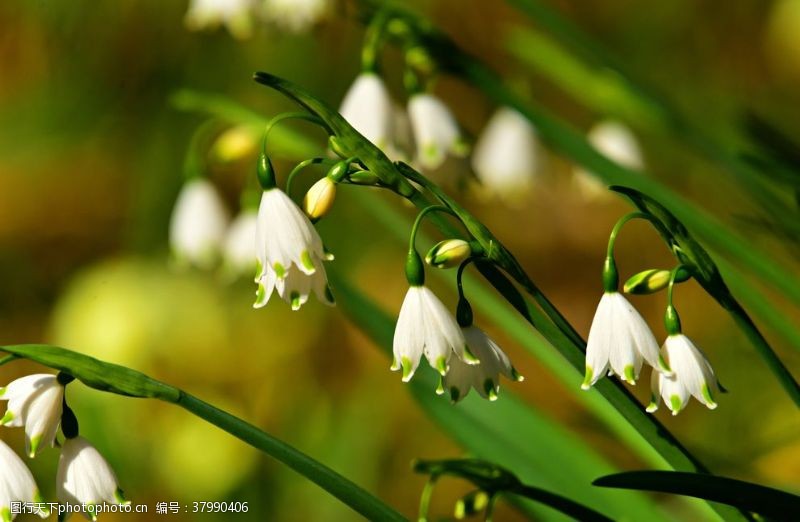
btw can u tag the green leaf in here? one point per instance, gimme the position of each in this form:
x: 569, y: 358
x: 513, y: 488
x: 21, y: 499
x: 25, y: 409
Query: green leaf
x: 747, y: 496
x: 125, y: 381
x: 507, y: 431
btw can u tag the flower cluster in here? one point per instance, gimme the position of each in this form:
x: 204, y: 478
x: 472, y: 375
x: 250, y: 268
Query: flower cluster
x: 506, y: 155
x: 620, y: 341
x: 239, y: 16
x: 463, y: 354
x: 84, y: 478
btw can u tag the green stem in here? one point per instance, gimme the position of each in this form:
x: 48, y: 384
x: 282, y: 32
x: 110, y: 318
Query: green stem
x: 565, y: 505
x: 120, y: 380
x: 300, y: 166
x: 288, y: 116
x: 612, y: 238
x: 195, y: 161
x: 337, y: 485
x: 373, y: 40
x: 412, y: 240
x: 425, y: 499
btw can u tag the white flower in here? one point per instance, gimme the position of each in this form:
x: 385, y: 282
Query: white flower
x: 34, y: 401
x: 85, y: 478
x: 16, y: 484
x: 240, y: 243
x: 235, y: 14
x: 369, y: 108
x: 198, y: 224
x: 426, y: 327
x: 616, y: 141
x: 484, y: 377
x: 435, y: 130
x: 289, y: 252
x: 692, y: 376
x: 619, y: 342
x: 506, y: 156
x: 296, y: 16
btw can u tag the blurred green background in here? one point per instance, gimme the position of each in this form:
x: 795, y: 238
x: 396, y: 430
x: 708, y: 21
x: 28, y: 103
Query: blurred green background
x: 91, y: 153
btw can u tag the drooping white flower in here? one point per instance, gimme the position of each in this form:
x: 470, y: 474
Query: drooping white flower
x: 16, y: 484
x: 198, y: 225
x: 426, y: 327
x: 234, y: 14
x: 240, y: 243
x: 34, y: 401
x: 506, y: 155
x: 85, y: 478
x: 619, y: 342
x: 369, y: 108
x: 296, y: 16
x: 692, y: 376
x: 436, y: 132
x: 616, y: 141
x: 290, y: 253
x: 484, y: 377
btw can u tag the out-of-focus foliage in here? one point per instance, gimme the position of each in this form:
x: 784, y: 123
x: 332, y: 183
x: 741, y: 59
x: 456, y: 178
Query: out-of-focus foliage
x: 91, y: 154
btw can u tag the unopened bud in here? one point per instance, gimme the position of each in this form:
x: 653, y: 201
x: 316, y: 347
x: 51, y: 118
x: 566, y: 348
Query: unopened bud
x: 448, y: 253
x: 651, y: 281
x: 235, y: 143
x: 363, y: 177
x: 319, y: 198
x: 471, y: 504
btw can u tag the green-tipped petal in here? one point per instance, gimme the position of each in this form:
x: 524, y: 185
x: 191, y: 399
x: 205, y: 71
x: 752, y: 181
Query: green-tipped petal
x: 469, y: 357
x: 296, y: 302
x: 8, y: 417
x: 676, y: 403
x: 408, y: 369
x: 630, y: 376
x: 36, y: 441
x: 587, y: 379
x: 441, y: 366
x: 308, y: 263
x: 491, y: 389
x: 710, y: 402
x: 280, y: 270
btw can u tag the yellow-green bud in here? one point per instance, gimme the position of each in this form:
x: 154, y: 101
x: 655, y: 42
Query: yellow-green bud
x: 448, y: 253
x: 471, y: 504
x: 319, y: 198
x: 651, y: 281
x: 235, y: 143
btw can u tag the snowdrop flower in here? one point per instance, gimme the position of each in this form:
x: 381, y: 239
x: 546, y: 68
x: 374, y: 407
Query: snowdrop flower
x: 234, y: 14
x: 34, y: 401
x: 239, y: 249
x: 425, y: 327
x: 289, y: 252
x: 619, y: 342
x: 198, y: 224
x: 449, y: 253
x: 435, y: 130
x: 506, y: 156
x: 16, y: 484
x: 296, y: 16
x: 369, y: 108
x: 484, y: 377
x: 618, y: 143
x: 85, y: 478
x: 693, y: 376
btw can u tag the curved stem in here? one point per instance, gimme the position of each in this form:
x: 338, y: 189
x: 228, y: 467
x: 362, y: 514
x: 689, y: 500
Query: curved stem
x: 425, y: 499
x: 288, y: 116
x: 194, y: 163
x: 373, y: 40
x: 417, y: 222
x: 460, y: 274
x: 300, y: 166
x: 337, y: 485
x: 612, y: 238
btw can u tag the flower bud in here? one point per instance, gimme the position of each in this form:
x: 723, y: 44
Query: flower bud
x: 448, y: 253
x: 235, y: 143
x: 651, y: 281
x: 319, y: 198
x: 471, y: 504
x: 363, y: 177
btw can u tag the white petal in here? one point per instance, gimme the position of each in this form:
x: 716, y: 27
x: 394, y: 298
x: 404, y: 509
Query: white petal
x: 614, y: 140
x: 240, y: 243
x: 296, y: 16
x: 368, y: 107
x: 235, y: 14
x: 598, y: 345
x: 409, y: 339
x: 16, y: 480
x: 83, y: 475
x: 692, y: 369
x: 198, y: 223
x: 436, y: 132
x: 506, y: 155
x: 443, y: 331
